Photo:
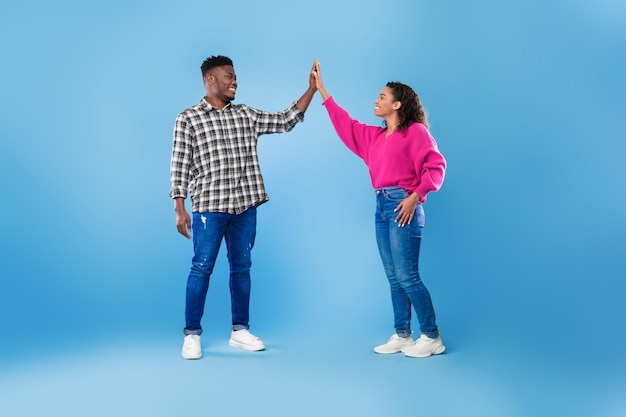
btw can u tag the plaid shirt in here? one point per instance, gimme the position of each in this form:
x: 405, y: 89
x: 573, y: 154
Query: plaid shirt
x: 214, y: 156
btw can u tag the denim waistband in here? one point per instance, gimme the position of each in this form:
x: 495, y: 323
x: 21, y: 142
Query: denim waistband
x: 387, y: 189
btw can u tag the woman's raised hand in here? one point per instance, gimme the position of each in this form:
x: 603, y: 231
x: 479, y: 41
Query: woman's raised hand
x: 317, y: 73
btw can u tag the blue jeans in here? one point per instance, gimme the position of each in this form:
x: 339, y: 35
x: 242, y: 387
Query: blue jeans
x: 239, y: 231
x: 399, y: 249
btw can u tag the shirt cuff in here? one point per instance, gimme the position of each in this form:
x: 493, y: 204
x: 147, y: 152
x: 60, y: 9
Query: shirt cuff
x: 297, y: 112
x: 177, y: 192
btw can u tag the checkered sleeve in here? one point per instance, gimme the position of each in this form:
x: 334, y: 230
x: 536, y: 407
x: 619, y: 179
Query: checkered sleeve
x: 279, y: 122
x: 182, y: 154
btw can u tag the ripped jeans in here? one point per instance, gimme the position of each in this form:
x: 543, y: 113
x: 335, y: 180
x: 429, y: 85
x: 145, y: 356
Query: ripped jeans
x: 399, y: 249
x: 239, y: 232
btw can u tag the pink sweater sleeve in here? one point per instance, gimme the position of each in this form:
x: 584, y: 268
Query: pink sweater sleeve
x: 356, y: 136
x: 432, y: 170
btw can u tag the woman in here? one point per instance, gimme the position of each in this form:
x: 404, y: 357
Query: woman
x: 404, y: 165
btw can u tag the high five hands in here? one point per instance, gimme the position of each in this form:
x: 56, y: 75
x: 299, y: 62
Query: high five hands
x: 317, y: 75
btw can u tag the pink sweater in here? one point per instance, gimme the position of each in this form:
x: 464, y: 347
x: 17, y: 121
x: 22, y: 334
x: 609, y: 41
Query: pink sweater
x: 409, y: 160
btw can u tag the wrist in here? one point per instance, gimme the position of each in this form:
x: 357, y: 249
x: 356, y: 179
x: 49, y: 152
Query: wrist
x: 179, y: 204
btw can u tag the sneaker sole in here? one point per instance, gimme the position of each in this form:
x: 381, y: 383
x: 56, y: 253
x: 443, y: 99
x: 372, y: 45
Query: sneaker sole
x: 390, y: 352
x: 249, y: 348
x: 438, y: 351
x: 191, y: 357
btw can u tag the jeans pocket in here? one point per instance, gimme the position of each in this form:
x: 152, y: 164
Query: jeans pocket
x: 415, y: 230
x: 419, y: 216
x: 396, y: 194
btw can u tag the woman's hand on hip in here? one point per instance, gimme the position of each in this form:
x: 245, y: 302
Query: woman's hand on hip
x: 406, y: 210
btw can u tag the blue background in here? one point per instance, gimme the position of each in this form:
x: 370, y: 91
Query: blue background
x: 523, y: 251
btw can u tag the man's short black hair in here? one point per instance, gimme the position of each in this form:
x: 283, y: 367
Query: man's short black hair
x: 213, y: 62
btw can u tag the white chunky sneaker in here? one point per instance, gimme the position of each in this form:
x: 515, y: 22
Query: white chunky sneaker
x: 424, y: 347
x: 245, y: 340
x: 395, y: 344
x: 191, y: 347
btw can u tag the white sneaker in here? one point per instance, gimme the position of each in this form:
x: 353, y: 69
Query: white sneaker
x: 191, y: 347
x: 424, y: 347
x: 245, y: 340
x: 395, y: 344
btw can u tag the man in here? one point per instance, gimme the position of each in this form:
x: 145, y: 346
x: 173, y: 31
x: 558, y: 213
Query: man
x: 214, y: 158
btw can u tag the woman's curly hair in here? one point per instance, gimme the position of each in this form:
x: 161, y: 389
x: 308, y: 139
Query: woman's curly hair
x: 411, y: 110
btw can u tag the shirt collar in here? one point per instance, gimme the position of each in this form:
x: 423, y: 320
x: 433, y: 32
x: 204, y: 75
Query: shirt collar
x: 210, y: 107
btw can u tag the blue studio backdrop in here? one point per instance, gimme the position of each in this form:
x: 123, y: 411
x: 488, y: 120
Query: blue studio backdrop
x: 522, y: 251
